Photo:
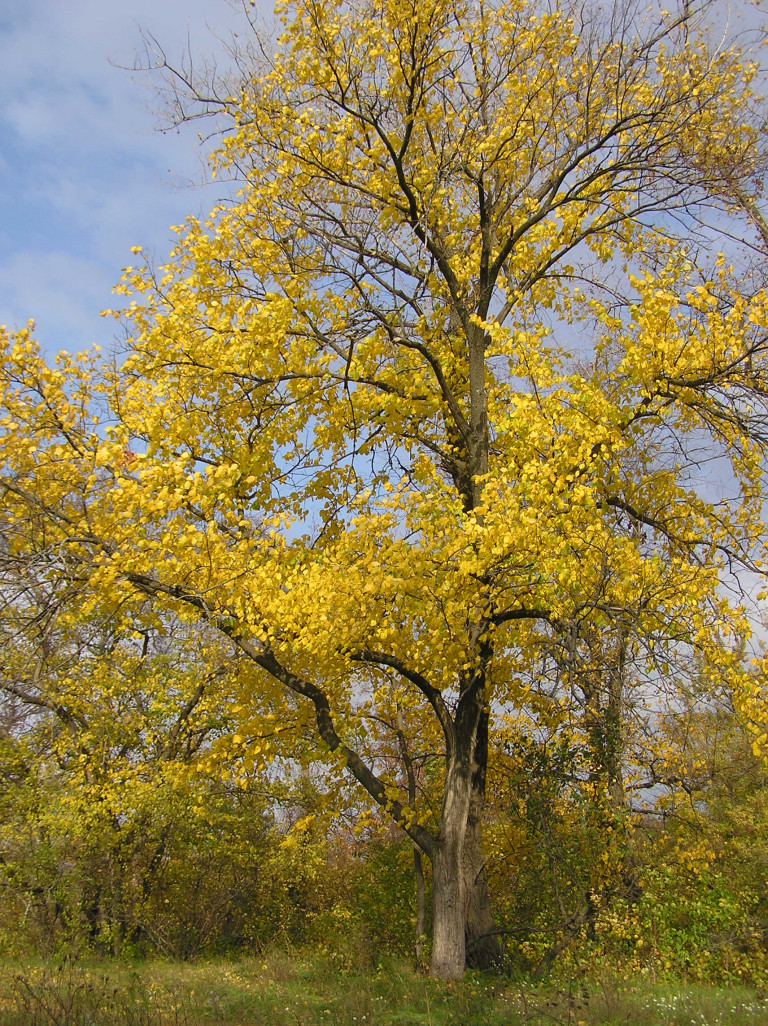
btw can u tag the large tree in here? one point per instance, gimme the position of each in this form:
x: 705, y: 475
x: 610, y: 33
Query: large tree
x: 427, y: 406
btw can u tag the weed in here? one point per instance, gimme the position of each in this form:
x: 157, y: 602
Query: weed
x: 289, y: 988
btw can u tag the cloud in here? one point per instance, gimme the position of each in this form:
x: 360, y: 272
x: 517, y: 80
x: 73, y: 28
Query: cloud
x: 62, y: 293
x: 84, y: 173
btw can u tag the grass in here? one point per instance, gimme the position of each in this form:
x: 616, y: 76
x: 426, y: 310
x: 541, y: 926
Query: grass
x: 289, y: 989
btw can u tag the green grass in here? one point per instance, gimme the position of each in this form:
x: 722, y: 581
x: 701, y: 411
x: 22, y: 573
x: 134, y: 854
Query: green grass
x: 289, y: 989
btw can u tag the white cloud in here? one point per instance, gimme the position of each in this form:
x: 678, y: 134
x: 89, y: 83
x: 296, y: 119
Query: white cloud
x: 62, y: 293
x: 84, y: 173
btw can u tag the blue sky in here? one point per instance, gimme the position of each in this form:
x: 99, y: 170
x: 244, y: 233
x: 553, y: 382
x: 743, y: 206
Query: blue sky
x: 84, y: 172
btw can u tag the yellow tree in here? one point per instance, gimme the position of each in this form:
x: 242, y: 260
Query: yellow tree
x: 434, y: 391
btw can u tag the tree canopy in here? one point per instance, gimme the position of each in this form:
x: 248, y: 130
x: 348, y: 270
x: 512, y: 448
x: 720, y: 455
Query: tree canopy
x: 453, y: 417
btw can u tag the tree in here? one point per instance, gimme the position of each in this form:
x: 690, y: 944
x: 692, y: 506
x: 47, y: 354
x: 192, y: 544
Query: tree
x: 430, y: 402
x: 104, y: 813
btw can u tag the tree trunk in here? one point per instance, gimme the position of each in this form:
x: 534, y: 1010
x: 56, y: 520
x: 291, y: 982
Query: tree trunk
x: 484, y: 950
x: 448, y: 948
x: 463, y: 928
x: 462, y: 924
x: 448, y: 906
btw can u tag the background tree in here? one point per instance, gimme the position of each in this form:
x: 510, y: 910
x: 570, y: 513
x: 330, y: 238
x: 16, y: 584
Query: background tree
x: 434, y: 392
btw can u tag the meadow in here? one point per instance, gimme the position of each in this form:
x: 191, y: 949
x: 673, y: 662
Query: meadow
x: 287, y: 988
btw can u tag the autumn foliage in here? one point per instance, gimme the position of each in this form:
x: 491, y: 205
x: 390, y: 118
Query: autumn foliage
x: 432, y: 467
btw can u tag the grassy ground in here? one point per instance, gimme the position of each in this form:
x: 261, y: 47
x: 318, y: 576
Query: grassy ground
x: 290, y: 990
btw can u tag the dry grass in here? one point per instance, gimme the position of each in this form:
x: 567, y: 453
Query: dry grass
x: 289, y: 989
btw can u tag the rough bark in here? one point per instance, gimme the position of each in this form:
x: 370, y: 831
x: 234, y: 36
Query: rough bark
x: 448, y: 947
x: 463, y: 927
x: 461, y: 911
x: 448, y: 904
x: 483, y: 948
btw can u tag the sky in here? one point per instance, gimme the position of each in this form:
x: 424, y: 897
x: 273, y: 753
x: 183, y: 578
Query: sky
x: 85, y: 172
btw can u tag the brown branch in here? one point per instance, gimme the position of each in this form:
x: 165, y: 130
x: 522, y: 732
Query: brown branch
x: 431, y: 693
x: 262, y: 656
